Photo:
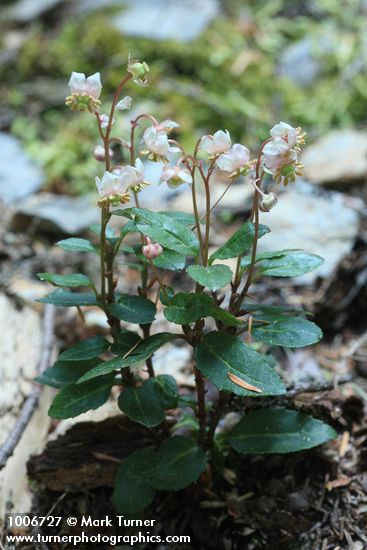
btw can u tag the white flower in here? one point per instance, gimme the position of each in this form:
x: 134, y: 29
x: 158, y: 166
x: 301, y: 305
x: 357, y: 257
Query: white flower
x: 175, y: 176
x: 157, y: 142
x: 124, y: 103
x: 110, y: 185
x: 285, y: 131
x: 166, y: 126
x: 132, y: 177
x: 234, y: 159
x: 220, y: 177
x: 91, y: 86
x: 105, y: 119
x: 220, y: 142
x: 151, y: 250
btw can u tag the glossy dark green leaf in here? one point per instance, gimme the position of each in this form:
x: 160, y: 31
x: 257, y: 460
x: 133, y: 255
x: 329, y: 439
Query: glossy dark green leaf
x: 86, y: 349
x: 278, y: 431
x: 178, y: 463
x: 265, y: 308
x: 133, y: 493
x: 64, y: 373
x: 124, y: 342
x: 291, y: 264
x: 239, y: 242
x: 75, y: 244
x: 170, y: 260
x: 181, y: 217
x: 212, y: 277
x: 141, y: 405
x: 71, y: 280
x: 186, y: 308
x: 246, y: 260
x: 64, y: 298
x: 145, y: 349
x: 133, y: 309
x: 79, y: 398
x: 220, y: 354
x: 289, y: 332
x: 165, y: 388
x: 166, y: 231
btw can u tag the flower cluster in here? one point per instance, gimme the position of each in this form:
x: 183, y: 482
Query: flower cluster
x: 280, y: 153
x: 156, y: 141
x: 115, y: 186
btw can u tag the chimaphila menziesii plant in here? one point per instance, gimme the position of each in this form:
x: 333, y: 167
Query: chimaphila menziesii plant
x: 229, y: 334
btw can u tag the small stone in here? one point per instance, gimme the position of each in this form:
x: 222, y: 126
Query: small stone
x: 298, y: 62
x: 298, y: 502
x: 319, y: 224
x: 19, y: 176
x: 339, y: 157
x: 180, y: 20
x: 57, y: 214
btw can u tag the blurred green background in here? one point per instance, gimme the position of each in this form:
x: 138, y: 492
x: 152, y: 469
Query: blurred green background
x: 254, y: 62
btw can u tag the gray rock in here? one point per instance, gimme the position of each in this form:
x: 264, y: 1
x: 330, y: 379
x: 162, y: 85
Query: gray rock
x: 25, y: 11
x: 321, y: 225
x: 340, y: 156
x: 298, y: 63
x: 19, y: 176
x: 57, y: 214
x: 181, y: 20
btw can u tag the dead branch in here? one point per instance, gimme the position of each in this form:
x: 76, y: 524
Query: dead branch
x: 30, y: 404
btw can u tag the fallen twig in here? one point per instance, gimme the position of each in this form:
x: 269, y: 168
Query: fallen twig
x: 30, y: 404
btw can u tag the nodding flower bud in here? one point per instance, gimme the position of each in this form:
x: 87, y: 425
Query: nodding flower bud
x: 99, y: 153
x: 268, y: 202
x: 139, y: 71
x: 151, y: 250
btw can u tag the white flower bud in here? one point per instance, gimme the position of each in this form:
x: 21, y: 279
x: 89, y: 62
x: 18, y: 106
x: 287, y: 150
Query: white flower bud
x: 99, y: 153
x: 268, y: 202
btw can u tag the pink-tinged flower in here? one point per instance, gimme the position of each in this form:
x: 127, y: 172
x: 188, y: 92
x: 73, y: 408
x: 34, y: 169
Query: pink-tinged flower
x: 235, y: 159
x: 166, y: 126
x: 84, y: 92
x: 220, y: 177
x: 124, y: 103
x: 151, y: 250
x: 105, y: 119
x: 133, y: 176
x: 109, y: 185
x: 175, y: 176
x: 285, y: 131
x: 215, y: 144
x: 157, y: 143
x: 99, y: 153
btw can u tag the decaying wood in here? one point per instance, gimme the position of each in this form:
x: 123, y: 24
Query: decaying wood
x: 88, y: 455
x: 7, y: 449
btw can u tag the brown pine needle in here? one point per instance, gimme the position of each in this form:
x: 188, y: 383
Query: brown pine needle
x: 236, y: 380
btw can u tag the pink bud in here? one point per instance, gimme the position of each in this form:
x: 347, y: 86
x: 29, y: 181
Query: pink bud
x: 151, y: 250
x: 99, y: 153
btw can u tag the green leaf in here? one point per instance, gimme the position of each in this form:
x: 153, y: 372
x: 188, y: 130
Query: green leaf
x: 146, y: 404
x: 226, y: 317
x: 65, y: 298
x: 71, y: 280
x: 181, y: 217
x: 77, y: 245
x: 289, y: 332
x: 79, y: 398
x: 124, y: 342
x: 170, y: 260
x: 64, y: 373
x: 219, y: 354
x: 265, y: 308
x: 96, y: 228
x: 142, y: 405
x: 291, y: 264
x: 165, y: 388
x: 212, y: 277
x: 133, y: 493
x: 178, y: 463
x: 278, y: 431
x: 186, y: 308
x: 166, y: 231
x: 86, y: 349
x: 239, y: 242
x: 133, y: 309
x: 145, y: 349
x: 246, y: 260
